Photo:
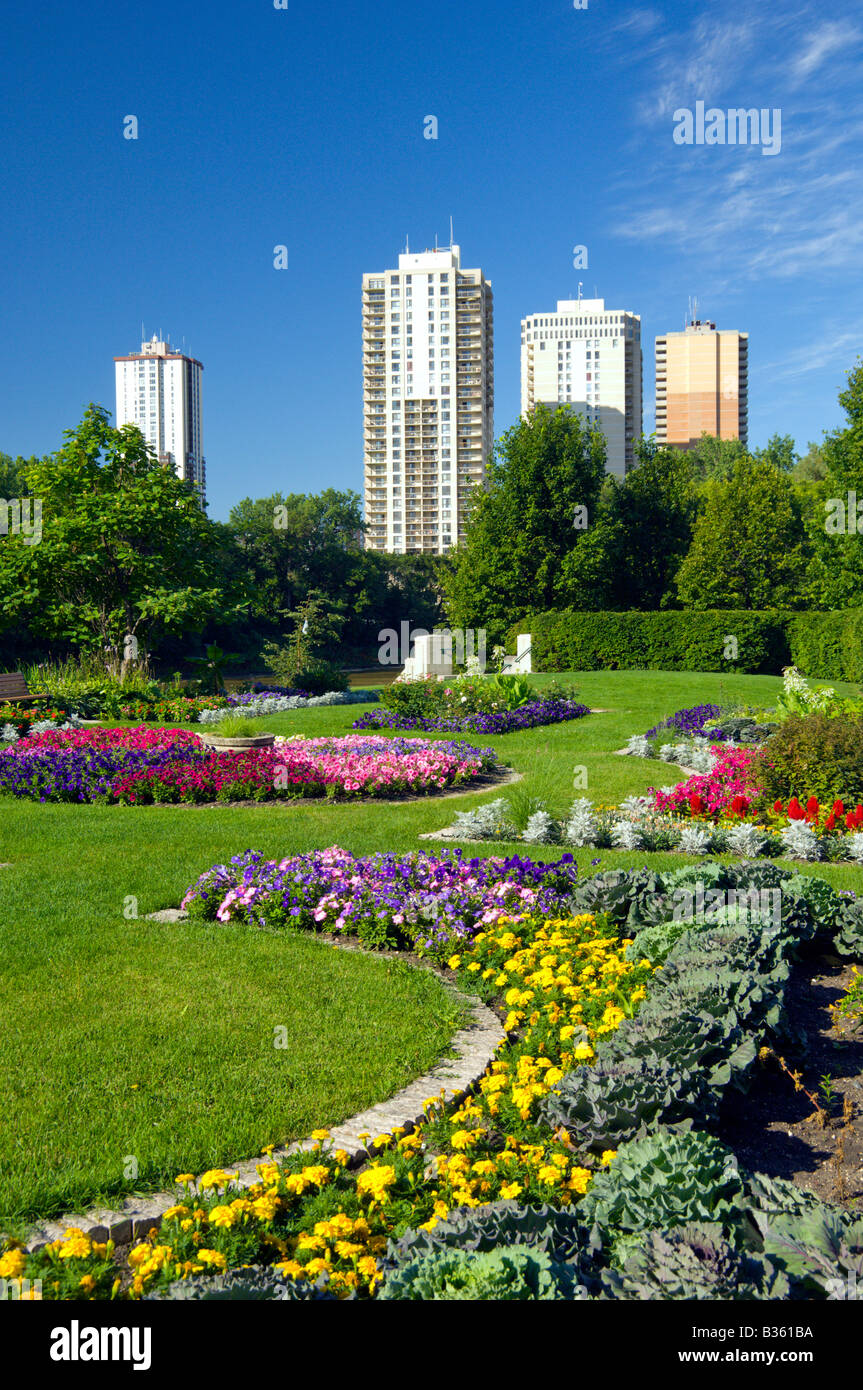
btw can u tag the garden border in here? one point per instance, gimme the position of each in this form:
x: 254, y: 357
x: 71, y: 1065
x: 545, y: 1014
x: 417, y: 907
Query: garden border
x: 476, y: 1044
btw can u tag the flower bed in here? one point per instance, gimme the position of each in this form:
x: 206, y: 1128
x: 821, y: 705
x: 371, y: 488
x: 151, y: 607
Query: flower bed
x: 529, y: 716
x: 141, y: 766
x: 17, y: 722
x: 570, y: 1172
x: 428, y: 903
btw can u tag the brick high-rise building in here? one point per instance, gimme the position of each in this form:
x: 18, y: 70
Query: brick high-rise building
x: 702, y: 385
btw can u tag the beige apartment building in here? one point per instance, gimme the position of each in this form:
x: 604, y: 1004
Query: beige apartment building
x: 428, y: 399
x: 587, y: 358
x: 702, y: 385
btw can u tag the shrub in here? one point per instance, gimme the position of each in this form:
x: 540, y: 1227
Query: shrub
x: 666, y: 641
x: 814, y: 755
x: 313, y: 675
x: 828, y: 646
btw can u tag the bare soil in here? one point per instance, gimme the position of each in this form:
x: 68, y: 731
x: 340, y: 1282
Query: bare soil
x: 778, y: 1129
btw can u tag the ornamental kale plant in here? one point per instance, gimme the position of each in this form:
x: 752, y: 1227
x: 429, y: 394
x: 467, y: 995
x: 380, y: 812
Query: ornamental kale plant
x: 511, y: 1272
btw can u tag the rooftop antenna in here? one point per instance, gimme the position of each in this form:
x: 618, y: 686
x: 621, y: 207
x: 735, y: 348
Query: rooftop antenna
x: 580, y: 288
x: 407, y: 245
x: 451, y: 234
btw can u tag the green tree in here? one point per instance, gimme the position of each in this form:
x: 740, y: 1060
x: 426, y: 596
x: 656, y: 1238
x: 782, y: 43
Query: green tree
x: 836, y: 537
x: 748, y: 545
x: 812, y: 467
x: 713, y: 457
x: 524, y: 522
x: 124, y: 552
x: 630, y: 557
x: 780, y: 451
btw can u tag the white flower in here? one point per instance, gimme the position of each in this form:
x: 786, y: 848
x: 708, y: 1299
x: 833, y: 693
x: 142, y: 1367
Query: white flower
x: 9, y: 734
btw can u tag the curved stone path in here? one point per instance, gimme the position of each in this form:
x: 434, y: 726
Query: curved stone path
x: 452, y: 1077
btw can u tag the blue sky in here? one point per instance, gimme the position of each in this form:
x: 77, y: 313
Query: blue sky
x: 304, y: 127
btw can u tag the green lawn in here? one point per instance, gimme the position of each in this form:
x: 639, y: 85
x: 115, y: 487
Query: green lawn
x: 125, y: 1037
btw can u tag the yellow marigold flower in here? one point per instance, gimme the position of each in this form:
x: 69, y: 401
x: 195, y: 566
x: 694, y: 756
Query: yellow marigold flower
x: 311, y: 1242
x: 183, y: 1179
x: 342, y: 1157
x: 264, y: 1208
x: 579, y: 1179
x: 12, y: 1264
x: 224, y: 1216
x: 511, y: 1190
x: 482, y: 1166
x: 76, y: 1247
x: 348, y: 1249
x: 463, y: 1138
x: 607, y: 1156
x: 381, y: 1141
x: 214, y: 1258
x: 173, y: 1212
x: 320, y: 1134
x: 292, y: 1269
x: 87, y: 1283
x: 548, y: 1173
x: 317, y: 1174
x: 454, y: 962
x: 317, y: 1266
x: 583, y: 1052
x: 216, y: 1177
x: 367, y: 1266
x: 553, y: 1075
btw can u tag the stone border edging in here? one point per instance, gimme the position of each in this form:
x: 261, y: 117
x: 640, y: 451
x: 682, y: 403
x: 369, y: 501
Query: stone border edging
x: 476, y: 1045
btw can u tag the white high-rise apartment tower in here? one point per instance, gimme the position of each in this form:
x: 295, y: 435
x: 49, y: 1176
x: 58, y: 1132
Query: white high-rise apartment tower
x: 588, y: 358
x: 428, y: 399
x: 159, y: 390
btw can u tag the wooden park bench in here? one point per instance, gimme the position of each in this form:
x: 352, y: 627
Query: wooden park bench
x: 13, y: 690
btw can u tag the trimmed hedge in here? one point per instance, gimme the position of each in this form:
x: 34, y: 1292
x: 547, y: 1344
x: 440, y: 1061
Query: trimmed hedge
x: 828, y: 646
x: 825, y: 646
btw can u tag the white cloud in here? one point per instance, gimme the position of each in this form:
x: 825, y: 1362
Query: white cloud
x: 831, y: 38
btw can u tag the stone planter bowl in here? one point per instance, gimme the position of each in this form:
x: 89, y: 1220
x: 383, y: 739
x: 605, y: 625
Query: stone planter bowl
x: 222, y: 741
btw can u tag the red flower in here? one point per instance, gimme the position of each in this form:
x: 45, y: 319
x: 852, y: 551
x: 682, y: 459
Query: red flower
x: 838, y: 808
x: 830, y: 822
x: 739, y: 805
x: 696, y: 805
x: 778, y: 807
x: 795, y: 810
x: 858, y: 813
x: 851, y: 821
x: 812, y: 806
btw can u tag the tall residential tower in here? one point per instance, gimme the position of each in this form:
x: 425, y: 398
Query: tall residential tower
x: 159, y: 390
x: 587, y: 357
x: 702, y: 385
x: 428, y: 399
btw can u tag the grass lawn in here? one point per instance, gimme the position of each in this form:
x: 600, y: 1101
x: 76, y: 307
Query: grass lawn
x: 127, y: 1038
